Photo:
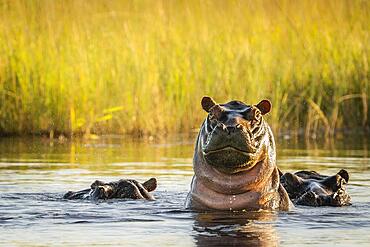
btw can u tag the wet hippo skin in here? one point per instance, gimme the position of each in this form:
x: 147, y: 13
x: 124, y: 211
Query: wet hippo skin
x: 312, y: 189
x: 123, y: 188
x: 235, y: 165
x: 235, y: 161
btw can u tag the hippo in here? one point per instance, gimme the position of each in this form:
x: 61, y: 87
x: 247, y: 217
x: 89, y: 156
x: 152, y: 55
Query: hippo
x: 123, y: 188
x: 235, y: 168
x: 235, y: 165
x: 310, y: 188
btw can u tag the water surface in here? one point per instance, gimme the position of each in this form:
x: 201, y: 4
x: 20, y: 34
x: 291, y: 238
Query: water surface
x: 35, y: 172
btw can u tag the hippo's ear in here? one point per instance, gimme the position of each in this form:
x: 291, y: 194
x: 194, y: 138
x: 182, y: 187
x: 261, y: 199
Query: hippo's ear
x: 150, y: 185
x: 207, y: 103
x: 96, y: 184
x: 264, y: 106
x: 344, y: 174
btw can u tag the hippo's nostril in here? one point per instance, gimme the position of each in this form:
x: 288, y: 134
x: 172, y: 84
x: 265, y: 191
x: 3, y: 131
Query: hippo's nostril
x: 230, y: 129
x: 221, y: 126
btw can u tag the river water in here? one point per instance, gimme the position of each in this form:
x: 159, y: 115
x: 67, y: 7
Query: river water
x: 35, y: 172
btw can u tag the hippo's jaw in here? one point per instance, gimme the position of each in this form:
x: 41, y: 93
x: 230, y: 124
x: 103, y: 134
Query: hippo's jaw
x: 230, y: 160
x: 234, y: 148
x: 229, y: 153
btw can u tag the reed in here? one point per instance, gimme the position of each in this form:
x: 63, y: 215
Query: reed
x: 142, y: 66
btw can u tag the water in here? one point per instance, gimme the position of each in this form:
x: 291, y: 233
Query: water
x: 34, y: 174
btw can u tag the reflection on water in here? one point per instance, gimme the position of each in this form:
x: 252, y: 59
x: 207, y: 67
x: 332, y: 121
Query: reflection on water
x: 35, y: 172
x: 235, y: 229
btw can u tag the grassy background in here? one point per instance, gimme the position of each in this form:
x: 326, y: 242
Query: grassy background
x: 142, y: 66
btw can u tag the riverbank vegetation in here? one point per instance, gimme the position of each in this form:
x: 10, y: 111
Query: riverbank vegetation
x: 141, y: 67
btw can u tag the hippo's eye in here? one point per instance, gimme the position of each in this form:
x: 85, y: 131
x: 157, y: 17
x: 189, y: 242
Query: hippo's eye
x: 257, y: 115
x: 248, y: 115
x: 212, y: 122
x: 253, y: 115
x: 217, y: 116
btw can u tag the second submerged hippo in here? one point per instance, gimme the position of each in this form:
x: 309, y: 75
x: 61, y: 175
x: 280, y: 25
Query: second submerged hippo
x: 123, y: 188
x: 235, y: 165
x: 312, y: 189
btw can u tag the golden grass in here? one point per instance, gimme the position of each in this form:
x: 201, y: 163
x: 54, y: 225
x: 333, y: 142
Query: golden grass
x: 142, y: 66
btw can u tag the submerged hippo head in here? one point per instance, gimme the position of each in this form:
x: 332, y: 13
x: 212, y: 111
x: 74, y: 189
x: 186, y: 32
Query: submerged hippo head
x: 313, y: 189
x: 234, y: 135
x: 122, y: 189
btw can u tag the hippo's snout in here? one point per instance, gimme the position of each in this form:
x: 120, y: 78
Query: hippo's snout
x: 229, y: 130
x: 234, y: 136
x: 230, y: 145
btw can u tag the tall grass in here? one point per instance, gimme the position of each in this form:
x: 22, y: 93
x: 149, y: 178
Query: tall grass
x: 142, y: 66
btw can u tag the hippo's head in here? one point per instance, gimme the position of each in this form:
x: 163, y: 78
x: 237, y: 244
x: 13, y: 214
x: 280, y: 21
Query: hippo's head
x: 234, y: 135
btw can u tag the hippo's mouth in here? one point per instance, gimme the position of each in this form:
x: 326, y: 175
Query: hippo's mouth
x: 230, y: 159
x: 226, y: 148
